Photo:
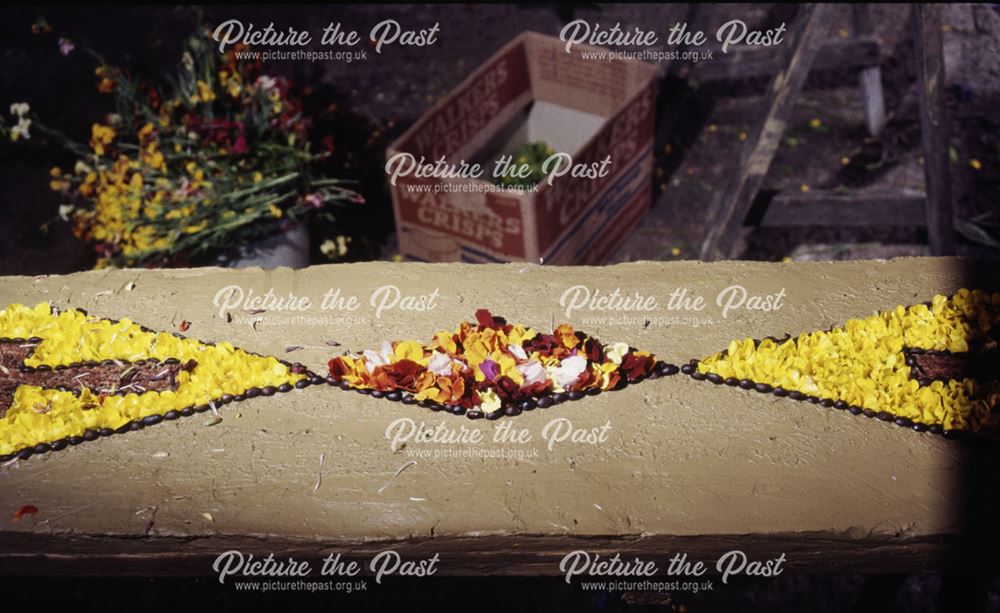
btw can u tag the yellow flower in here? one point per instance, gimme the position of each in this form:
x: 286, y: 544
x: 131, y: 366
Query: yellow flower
x: 275, y: 211
x: 204, y: 94
x: 101, y: 137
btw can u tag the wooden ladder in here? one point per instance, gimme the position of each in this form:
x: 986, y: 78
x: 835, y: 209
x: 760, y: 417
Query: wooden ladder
x: 806, y: 39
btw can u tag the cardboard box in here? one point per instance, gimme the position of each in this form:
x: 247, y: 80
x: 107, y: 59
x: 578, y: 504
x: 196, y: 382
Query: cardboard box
x: 530, y: 90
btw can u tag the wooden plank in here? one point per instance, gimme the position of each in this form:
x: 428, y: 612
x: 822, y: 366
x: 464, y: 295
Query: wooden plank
x: 744, y: 62
x: 934, y: 127
x: 870, y: 77
x: 825, y: 208
x: 803, y: 46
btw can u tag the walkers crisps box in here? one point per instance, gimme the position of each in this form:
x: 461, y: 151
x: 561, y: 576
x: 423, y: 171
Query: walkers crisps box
x: 580, y: 103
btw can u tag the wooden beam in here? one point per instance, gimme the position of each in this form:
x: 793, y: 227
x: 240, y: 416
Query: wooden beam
x: 803, y: 45
x: 744, y: 62
x: 870, y: 77
x: 934, y: 127
x: 825, y: 208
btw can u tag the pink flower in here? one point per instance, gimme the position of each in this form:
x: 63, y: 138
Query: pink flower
x: 66, y: 46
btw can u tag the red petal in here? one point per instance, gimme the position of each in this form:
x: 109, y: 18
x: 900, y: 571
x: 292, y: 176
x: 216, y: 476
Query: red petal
x: 484, y: 318
x: 28, y: 509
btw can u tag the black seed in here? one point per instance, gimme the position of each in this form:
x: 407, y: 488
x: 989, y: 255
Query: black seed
x: 575, y: 395
x: 687, y: 369
x: 492, y: 415
x: 124, y: 428
x: 905, y: 422
x: 268, y: 390
x: 74, y: 440
x: 636, y: 379
x: 42, y: 448
x: 377, y: 394
x: 732, y: 381
x: 560, y: 397
x: 796, y: 395
x: 171, y: 415
x: 668, y: 370
x: 285, y: 387
x: 394, y: 396
x: 853, y: 410
x: 475, y: 414
x: 512, y: 410
x: 135, y: 426
x: 90, y: 435
x: 840, y: 405
x: 544, y: 402
x: 919, y: 427
x: 201, y: 408
x: 226, y: 398
x: 331, y: 380
x: 714, y: 378
x: 43, y: 368
x: 827, y: 402
x: 458, y: 409
x: 653, y: 375
x: 108, y: 363
x: 105, y: 431
x: 593, y: 391
x: 187, y: 411
x: 152, y: 420
x: 7, y: 456
x: 424, y: 403
x: 316, y: 380
x: 780, y: 392
x: 239, y: 397
x: 253, y: 392
x: 746, y: 384
x: 408, y: 399
x: 528, y: 405
x: 869, y: 413
x: 59, y: 445
x: 953, y: 433
x: 24, y: 454
x: 60, y: 367
x: 697, y: 376
x: 302, y: 384
x: 435, y: 406
x: 171, y: 361
x: 763, y: 388
x: 924, y: 381
x: 884, y: 416
x: 813, y: 399
x: 935, y: 428
x: 363, y: 391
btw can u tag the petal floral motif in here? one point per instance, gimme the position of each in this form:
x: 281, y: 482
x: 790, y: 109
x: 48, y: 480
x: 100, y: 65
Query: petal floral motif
x: 870, y: 365
x: 492, y: 363
x: 40, y: 418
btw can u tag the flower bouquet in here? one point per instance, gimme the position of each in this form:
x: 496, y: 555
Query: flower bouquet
x: 217, y: 158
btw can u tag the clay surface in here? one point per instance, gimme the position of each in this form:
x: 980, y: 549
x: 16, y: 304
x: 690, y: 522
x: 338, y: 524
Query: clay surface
x: 683, y: 465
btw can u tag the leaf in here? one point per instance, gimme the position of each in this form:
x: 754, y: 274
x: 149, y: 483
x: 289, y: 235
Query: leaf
x: 953, y: 155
